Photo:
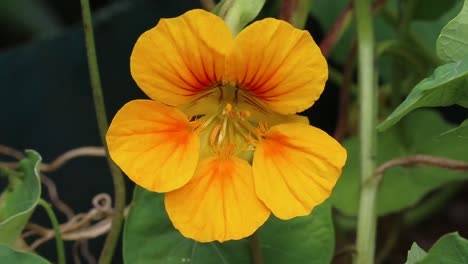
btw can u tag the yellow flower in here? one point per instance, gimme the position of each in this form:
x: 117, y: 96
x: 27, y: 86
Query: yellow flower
x: 220, y: 137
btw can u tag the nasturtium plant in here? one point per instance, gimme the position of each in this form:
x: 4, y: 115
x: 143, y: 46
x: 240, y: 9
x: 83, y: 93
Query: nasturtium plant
x: 460, y: 131
x: 451, y: 248
x: 413, y: 184
x: 149, y: 237
x: 452, y: 44
x: 415, y: 254
x: 10, y: 255
x: 445, y: 87
x: 19, y: 198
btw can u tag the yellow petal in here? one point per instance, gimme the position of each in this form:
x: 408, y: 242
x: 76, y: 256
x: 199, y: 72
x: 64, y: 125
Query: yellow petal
x: 219, y: 203
x: 295, y: 168
x: 179, y: 59
x: 154, y: 145
x: 278, y: 64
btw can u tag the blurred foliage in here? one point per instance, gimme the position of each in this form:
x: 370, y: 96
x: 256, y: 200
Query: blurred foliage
x: 9, y: 255
x: 416, y: 134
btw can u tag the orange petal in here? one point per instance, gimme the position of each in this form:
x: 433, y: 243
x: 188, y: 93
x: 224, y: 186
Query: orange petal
x: 181, y: 57
x: 219, y: 203
x: 154, y: 145
x: 278, y: 64
x: 295, y: 168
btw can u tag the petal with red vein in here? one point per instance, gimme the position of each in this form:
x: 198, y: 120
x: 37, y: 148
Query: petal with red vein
x: 154, y: 144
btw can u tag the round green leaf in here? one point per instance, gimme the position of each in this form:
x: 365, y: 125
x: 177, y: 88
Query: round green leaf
x: 19, y: 199
x: 402, y: 187
x: 452, y: 44
x: 451, y: 248
x: 9, y: 255
x: 149, y: 237
x: 415, y: 254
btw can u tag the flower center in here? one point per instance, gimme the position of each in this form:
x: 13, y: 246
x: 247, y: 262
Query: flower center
x: 229, y: 132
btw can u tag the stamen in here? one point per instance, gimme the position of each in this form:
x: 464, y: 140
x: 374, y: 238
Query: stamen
x: 214, y: 134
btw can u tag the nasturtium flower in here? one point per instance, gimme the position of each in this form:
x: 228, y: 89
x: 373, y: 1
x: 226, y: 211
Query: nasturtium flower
x: 220, y: 136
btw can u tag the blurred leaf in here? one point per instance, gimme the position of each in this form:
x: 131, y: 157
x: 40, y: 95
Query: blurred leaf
x: 9, y: 255
x: 460, y: 131
x: 446, y: 86
x: 149, y: 237
x: 452, y: 44
x: 308, y: 239
x: 415, y: 254
x: 432, y: 9
x: 451, y: 248
x: 238, y: 13
x: 402, y: 187
x: 19, y: 199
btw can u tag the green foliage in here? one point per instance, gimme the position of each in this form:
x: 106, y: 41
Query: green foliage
x: 415, y: 254
x: 452, y: 44
x: 416, y: 134
x: 9, y: 255
x: 451, y: 248
x: 432, y: 9
x: 19, y: 199
x: 238, y: 13
x: 460, y: 131
x: 446, y: 86
x: 149, y: 237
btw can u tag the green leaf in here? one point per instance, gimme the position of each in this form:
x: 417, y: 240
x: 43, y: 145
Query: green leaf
x: 415, y: 254
x: 238, y: 13
x: 452, y: 44
x: 19, y: 199
x: 460, y: 131
x: 446, y: 86
x: 149, y: 237
x: 9, y: 255
x: 432, y: 9
x: 308, y: 239
x: 451, y: 248
x: 402, y: 187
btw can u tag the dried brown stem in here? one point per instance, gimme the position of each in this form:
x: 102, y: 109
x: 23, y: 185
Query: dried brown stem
x: 54, y: 197
x: 11, y: 152
x: 84, y: 249
x: 62, y: 159
x: 342, y: 122
x: 335, y: 32
x: 330, y: 40
x: 287, y: 10
x: 208, y: 5
x: 83, y: 226
x: 422, y: 160
x: 71, y: 154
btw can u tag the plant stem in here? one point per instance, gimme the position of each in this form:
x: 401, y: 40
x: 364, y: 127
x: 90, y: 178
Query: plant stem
x: 55, y: 226
x: 295, y: 12
x: 367, y: 217
x: 255, y: 249
x: 117, y: 177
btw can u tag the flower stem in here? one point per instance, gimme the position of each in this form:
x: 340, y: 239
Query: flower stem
x: 255, y: 249
x: 367, y: 217
x: 117, y: 177
x: 55, y: 226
